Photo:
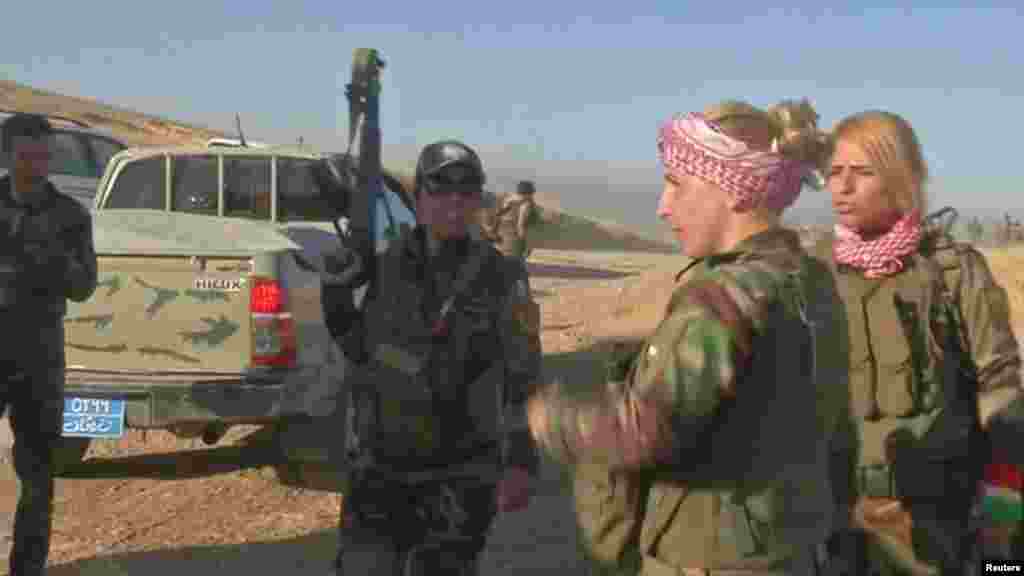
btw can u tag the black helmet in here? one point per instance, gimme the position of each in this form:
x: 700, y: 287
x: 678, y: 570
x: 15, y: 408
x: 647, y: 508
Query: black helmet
x: 24, y: 124
x: 526, y: 187
x: 450, y: 162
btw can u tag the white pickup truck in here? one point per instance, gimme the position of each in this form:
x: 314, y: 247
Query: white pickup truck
x: 208, y: 310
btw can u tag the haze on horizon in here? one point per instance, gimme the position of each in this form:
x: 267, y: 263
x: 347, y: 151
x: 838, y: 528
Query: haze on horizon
x: 571, y: 101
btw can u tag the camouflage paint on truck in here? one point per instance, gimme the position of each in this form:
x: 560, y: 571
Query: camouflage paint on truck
x: 169, y: 300
x: 170, y: 329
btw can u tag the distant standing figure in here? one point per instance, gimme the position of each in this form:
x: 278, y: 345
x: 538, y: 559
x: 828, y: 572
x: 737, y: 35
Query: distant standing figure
x: 46, y: 257
x: 513, y: 220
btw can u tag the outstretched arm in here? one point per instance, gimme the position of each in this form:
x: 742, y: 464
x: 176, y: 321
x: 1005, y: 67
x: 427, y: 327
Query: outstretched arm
x: 682, y: 375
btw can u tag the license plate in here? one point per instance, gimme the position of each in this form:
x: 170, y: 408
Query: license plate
x: 93, y: 417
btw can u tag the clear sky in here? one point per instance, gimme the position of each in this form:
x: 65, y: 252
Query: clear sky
x: 566, y: 92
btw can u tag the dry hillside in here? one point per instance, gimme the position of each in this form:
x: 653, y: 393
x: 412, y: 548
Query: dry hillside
x: 134, y: 128
x: 559, y: 231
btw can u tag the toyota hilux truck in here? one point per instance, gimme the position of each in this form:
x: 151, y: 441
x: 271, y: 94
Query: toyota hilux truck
x: 207, y: 312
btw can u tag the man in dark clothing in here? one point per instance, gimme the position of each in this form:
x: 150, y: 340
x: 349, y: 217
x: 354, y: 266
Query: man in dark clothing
x: 449, y: 347
x: 46, y: 257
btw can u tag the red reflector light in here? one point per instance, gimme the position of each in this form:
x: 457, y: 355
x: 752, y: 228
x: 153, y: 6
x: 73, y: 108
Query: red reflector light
x: 266, y: 297
x: 273, y: 330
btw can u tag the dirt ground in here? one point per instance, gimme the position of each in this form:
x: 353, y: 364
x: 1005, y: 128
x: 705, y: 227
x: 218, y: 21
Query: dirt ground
x: 231, y: 518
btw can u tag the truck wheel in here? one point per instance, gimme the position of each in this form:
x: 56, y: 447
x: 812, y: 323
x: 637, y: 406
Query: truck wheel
x: 69, y: 452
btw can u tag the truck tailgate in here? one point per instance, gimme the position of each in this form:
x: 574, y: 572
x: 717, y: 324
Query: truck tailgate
x: 173, y: 293
x: 162, y: 313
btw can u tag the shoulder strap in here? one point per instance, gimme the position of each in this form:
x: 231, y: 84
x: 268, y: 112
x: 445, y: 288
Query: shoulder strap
x: 464, y: 278
x: 946, y: 260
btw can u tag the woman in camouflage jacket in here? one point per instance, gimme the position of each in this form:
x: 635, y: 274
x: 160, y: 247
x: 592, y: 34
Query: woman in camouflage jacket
x: 716, y: 438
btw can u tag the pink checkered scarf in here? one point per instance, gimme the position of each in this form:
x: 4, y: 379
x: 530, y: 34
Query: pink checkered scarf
x: 882, y: 256
x: 691, y: 144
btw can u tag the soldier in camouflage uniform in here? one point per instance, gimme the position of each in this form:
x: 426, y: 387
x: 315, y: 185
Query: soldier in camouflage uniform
x: 512, y: 221
x: 46, y: 257
x: 933, y: 358
x: 715, y: 440
x: 449, y: 342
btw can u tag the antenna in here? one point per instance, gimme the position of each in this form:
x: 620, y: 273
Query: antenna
x: 238, y: 124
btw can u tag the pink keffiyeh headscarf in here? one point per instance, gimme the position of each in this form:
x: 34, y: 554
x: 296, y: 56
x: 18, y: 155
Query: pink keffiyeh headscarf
x: 690, y: 144
x: 882, y: 256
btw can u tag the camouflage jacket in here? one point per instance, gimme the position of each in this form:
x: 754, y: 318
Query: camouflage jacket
x: 729, y: 412
x: 47, y: 256
x: 486, y: 346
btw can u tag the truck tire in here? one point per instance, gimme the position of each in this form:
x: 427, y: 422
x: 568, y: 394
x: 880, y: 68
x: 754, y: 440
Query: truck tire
x: 69, y: 452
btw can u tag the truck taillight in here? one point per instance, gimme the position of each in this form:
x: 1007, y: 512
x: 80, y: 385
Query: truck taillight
x: 273, y: 330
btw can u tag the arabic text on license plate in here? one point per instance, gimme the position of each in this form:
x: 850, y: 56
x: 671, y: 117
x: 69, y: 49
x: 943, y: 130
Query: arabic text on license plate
x: 93, y: 417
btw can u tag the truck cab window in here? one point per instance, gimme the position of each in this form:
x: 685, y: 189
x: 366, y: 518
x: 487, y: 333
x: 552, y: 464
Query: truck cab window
x: 300, y: 198
x: 247, y: 187
x: 194, y: 184
x: 68, y: 156
x: 139, y: 185
x: 103, y: 150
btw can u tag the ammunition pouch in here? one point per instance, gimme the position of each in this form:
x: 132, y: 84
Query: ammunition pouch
x: 935, y: 478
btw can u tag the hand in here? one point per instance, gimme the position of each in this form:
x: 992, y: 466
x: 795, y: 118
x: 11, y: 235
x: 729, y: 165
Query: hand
x: 537, y: 418
x: 514, y: 490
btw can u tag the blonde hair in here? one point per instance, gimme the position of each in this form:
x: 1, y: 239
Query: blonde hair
x: 791, y: 127
x: 893, y: 148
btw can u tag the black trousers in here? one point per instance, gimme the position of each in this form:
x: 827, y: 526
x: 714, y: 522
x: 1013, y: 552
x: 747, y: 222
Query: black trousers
x: 383, y: 526
x: 31, y: 389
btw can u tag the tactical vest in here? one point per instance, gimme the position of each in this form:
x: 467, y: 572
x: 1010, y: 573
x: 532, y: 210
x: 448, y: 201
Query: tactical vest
x: 900, y: 370
x: 429, y: 359
x: 741, y: 501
